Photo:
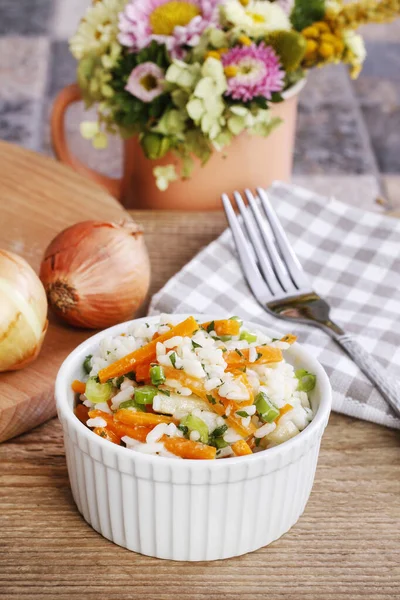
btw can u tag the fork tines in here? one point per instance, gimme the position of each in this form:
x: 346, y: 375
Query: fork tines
x: 270, y: 265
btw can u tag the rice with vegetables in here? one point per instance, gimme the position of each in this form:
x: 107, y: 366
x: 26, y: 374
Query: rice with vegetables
x: 194, y: 390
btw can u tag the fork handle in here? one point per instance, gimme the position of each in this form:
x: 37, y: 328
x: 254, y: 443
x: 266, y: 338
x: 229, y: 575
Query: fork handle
x: 389, y: 388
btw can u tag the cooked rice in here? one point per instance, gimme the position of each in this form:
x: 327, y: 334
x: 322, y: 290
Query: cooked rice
x: 201, y: 356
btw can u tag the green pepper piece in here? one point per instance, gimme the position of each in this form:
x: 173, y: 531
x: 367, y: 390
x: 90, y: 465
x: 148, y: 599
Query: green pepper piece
x: 98, y: 392
x: 157, y: 375
x: 132, y: 404
x: 307, y: 380
x: 196, y: 424
x: 265, y: 408
x: 145, y: 394
x: 248, y: 337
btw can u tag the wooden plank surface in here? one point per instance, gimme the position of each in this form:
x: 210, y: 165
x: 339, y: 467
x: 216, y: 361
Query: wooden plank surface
x: 39, y: 198
x: 346, y: 546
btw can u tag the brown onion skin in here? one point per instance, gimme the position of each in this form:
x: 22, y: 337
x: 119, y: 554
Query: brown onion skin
x: 96, y: 274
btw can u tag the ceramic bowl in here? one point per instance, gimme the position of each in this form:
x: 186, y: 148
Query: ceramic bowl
x: 187, y: 509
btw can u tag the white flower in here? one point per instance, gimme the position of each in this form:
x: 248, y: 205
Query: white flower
x: 164, y: 176
x: 333, y: 8
x: 257, y: 18
x: 98, y: 29
x: 355, y: 44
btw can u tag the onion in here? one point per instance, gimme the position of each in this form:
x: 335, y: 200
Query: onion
x: 23, y: 310
x: 96, y: 274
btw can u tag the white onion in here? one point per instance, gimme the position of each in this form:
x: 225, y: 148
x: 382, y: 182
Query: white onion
x: 23, y: 312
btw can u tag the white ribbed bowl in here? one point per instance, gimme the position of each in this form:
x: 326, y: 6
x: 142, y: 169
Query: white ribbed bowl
x: 188, y: 509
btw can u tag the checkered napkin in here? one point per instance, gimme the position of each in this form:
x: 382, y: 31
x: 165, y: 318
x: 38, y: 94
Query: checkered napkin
x: 353, y: 260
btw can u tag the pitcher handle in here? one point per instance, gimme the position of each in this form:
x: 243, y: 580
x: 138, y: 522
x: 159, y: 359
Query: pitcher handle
x: 67, y: 96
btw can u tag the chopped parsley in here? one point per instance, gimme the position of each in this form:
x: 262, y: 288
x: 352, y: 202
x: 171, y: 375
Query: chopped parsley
x: 195, y: 345
x: 211, y: 399
x: 165, y: 392
x: 87, y: 364
x: 211, y: 327
x: 184, y: 429
x: 238, y: 352
x: 131, y: 375
x: 220, y: 431
x: 259, y: 355
x: 242, y: 413
x: 172, y: 358
x: 118, y: 381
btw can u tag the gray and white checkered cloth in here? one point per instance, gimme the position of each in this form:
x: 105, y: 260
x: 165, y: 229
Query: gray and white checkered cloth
x: 353, y: 260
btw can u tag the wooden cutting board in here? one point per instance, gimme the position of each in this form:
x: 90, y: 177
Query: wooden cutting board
x: 38, y: 198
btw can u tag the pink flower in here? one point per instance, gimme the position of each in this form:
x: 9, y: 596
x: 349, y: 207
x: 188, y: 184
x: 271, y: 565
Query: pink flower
x: 252, y: 71
x: 170, y: 22
x: 145, y: 82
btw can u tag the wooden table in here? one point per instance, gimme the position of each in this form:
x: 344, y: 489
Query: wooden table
x: 345, y: 546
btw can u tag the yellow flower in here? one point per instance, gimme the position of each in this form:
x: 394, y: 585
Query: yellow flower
x: 326, y: 50
x: 323, y: 44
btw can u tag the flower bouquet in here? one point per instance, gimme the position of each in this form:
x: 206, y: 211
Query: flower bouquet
x: 187, y: 77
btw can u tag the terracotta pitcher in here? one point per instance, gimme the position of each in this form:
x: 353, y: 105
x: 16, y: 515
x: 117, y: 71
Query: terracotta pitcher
x: 248, y: 162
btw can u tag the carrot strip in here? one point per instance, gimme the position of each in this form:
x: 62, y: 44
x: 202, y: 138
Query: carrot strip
x: 107, y: 435
x: 283, y: 411
x: 188, y: 449
x: 289, y: 338
x: 265, y: 354
x: 129, y: 417
x: 147, y: 353
x: 78, y: 387
x: 224, y: 326
x: 82, y: 412
x: 135, y: 432
x: 241, y: 448
x: 214, y: 401
x: 142, y: 372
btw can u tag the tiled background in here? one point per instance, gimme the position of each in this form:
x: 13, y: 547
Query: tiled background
x: 348, y: 138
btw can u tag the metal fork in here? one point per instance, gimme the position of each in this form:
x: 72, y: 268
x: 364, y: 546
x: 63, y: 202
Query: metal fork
x: 278, y: 282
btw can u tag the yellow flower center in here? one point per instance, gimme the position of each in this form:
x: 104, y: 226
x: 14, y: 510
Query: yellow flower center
x: 166, y: 17
x: 230, y: 71
x: 244, y: 40
x: 149, y: 82
x: 257, y: 18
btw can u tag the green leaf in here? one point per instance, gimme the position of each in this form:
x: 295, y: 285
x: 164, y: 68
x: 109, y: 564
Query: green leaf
x: 211, y: 399
x: 276, y: 97
x: 187, y: 167
x: 306, y: 12
x: 236, y: 124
